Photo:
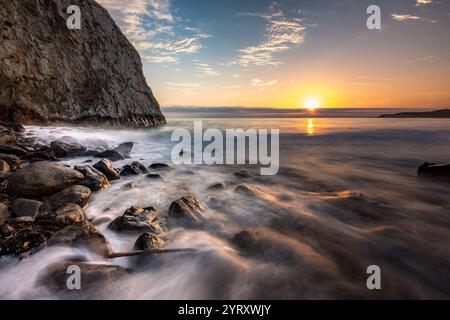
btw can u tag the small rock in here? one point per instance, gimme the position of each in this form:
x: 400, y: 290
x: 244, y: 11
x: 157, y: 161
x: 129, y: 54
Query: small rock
x: 186, y: 211
x: 130, y: 185
x: 147, y: 241
x: 242, y: 174
x: 4, y: 214
x: 110, y: 155
x: 246, y: 239
x: 217, y: 187
x: 12, y: 149
x: 158, y: 166
x: 125, y: 148
x: 101, y: 220
x: 4, y: 167
x: 135, y: 168
x: 43, y: 178
x: 106, y: 167
x: 13, y: 161
x: 77, y: 194
x: 138, y: 219
x: 69, y: 214
x: 26, y: 208
x: 93, y: 179
x: 6, y: 135
x: 244, y: 190
x: 154, y: 176
x: 63, y: 149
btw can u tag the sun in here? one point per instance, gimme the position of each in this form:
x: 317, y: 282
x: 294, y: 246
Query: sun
x: 312, y: 103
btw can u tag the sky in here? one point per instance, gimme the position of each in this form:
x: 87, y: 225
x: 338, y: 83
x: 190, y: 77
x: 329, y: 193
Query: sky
x: 261, y: 53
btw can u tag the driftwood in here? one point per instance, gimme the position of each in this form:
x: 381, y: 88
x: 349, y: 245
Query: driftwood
x: 149, y: 252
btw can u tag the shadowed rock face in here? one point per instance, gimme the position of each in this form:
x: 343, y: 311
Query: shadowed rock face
x: 50, y: 74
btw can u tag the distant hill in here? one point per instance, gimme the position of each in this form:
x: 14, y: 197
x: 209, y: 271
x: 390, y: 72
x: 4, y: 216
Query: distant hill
x: 445, y: 113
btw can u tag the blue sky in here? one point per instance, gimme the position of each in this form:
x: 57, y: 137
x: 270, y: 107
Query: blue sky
x: 276, y: 54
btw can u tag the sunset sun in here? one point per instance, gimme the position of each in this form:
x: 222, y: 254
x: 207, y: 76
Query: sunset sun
x: 312, y: 103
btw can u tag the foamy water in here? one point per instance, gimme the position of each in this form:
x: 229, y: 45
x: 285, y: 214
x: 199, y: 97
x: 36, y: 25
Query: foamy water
x: 346, y: 197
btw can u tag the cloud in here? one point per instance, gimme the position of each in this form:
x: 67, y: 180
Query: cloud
x: 405, y: 17
x: 153, y: 29
x: 187, y: 88
x: 423, y: 2
x: 430, y: 57
x: 204, y: 68
x: 281, y: 34
x: 262, y: 85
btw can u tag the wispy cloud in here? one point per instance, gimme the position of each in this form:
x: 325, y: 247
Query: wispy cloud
x: 263, y: 85
x: 423, y: 2
x: 404, y: 17
x: 282, y: 33
x: 426, y: 58
x: 150, y: 26
x: 187, y: 88
x: 206, y: 69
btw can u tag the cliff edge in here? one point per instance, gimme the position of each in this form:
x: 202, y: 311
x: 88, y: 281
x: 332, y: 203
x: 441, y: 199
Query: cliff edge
x: 50, y: 74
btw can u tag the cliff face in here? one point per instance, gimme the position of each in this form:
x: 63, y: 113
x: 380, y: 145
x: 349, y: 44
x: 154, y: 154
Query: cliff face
x: 50, y: 74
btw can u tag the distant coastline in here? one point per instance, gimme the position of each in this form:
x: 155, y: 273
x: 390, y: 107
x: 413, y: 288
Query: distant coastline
x: 444, y: 113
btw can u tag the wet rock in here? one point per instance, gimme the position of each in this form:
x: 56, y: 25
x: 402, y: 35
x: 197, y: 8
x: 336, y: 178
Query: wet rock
x: 69, y: 214
x: 40, y: 155
x: 244, y: 190
x: 111, y: 155
x: 106, y: 167
x: 16, y: 127
x: 217, y: 187
x: 138, y: 219
x: 101, y: 220
x: 154, y: 176
x: 63, y: 149
x: 186, y: 211
x: 6, y: 135
x: 26, y: 208
x: 77, y: 194
x: 94, y: 277
x: 43, y: 178
x: 158, y: 166
x: 147, y: 241
x: 13, y: 161
x: 431, y: 170
x: 12, y: 149
x: 4, y: 213
x: 242, y: 174
x: 4, y: 168
x: 125, y: 148
x: 130, y: 185
x: 93, y: 179
x: 133, y: 169
x: 246, y: 240
x: 21, y: 236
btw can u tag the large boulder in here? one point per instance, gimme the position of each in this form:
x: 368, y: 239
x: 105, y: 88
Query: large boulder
x: 13, y: 161
x: 125, y: 148
x: 138, y: 220
x: 133, y: 169
x: 26, y: 207
x: 77, y: 194
x: 432, y: 170
x: 186, y: 211
x: 93, y: 179
x: 159, y: 166
x: 147, y: 241
x: 106, y: 167
x: 12, y: 149
x: 6, y: 135
x: 110, y: 155
x: 43, y: 178
x: 63, y: 149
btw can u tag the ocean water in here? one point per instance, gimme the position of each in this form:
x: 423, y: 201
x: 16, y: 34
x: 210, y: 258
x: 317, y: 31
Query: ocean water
x: 346, y: 197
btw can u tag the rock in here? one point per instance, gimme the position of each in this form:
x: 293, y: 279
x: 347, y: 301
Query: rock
x: 110, y: 155
x: 133, y: 169
x: 6, y: 135
x: 217, y: 187
x: 431, y: 170
x: 101, y: 220
x: 64, y: 150
x: 77, y: 194
x: 4, y: 213
x: 106, y: 167
x: 50, y: 74
x: 4, y: 167
x: 93, y: 179
x: 186, y: 211
x: 14, y: 127
x: 43, y: 178
x: 158, y: 166
x: 130, y: 185
x: 242, y: 174
x: 26, y: 208
x: 40, y: 156
x: 69, y: 214
x: 125, y: 148
x: 12, y: 149
x: 94, y: 277
x: 245, y: 240
x: 147, y: 241
x: 13, y: 161
x: 244, y: 190
x: 139, y: 220
x: 154, y: 176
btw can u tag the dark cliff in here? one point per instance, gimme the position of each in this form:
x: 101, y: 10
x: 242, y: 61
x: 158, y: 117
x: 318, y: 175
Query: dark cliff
x: 50, y: 74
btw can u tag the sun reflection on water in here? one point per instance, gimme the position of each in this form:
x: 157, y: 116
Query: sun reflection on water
x: 311, y: 127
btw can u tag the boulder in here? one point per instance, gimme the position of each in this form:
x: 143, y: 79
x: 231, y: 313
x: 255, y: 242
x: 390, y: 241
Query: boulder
x: 12, y: 149
x: 13, y: 161
x: 63, y: 149
x: 244, y: 190
x: 138, y: 220
x: 6, y: 135
x: 26, y: 207
x: 93, y: 179
x: 77, y: 194
x: 43, y: 178
x: 431, y: 170
x: 135, y: 168
x: 125, y: 148
x: 246, y: 240
x: 158, y: 166
x: 40, y: 155
x: 154, y: 176
x: 242, y: 174
x: 4, y: 168
x: 186, y: 211
x: 106, y: 167
x: 217, y: 187
x: 110, y: 155
x: 147, y: 241
x: 69, y: 214
x: 4, y: 213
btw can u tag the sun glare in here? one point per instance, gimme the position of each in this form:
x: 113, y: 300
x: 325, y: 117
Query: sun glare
x: 312, y: 103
